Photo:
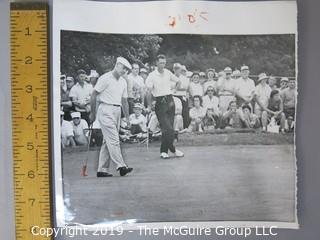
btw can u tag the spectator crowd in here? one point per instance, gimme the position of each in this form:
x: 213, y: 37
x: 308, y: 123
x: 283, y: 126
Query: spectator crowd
x: 203, y: 101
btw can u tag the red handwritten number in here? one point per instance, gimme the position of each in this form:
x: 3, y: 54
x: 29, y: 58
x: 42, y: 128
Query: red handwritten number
x: 172, y: 22
x: 203, y: 17
x: 191, y: 18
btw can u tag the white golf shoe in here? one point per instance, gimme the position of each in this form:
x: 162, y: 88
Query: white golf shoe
x: 164, y: 155
x: 178, y: 153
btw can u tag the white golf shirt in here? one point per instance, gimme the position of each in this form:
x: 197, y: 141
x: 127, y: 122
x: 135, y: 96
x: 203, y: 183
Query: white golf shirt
x: 160, y: 84
x: 110, y: 89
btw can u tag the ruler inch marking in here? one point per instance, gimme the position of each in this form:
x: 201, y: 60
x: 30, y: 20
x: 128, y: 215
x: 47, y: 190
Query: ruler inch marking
x: 29, y: 44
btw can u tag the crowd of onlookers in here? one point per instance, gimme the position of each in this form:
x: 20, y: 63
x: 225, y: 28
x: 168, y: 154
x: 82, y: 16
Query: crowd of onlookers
x: 203, y: 101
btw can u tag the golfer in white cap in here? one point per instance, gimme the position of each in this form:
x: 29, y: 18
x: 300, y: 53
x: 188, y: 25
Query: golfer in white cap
x: 111, y: 88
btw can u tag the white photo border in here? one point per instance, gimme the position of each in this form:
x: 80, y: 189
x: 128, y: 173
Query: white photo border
x: 244, y: 18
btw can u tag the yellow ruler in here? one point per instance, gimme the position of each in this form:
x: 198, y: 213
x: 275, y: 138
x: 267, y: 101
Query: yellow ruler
x: 30, y: 117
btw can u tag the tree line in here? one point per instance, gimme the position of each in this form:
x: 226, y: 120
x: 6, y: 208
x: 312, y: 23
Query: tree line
x: 273, y: 54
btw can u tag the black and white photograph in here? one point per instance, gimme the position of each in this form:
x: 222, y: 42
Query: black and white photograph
x: 176, y: 127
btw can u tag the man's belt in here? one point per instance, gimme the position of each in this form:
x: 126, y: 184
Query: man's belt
x: 164, y: 97
x: 111, y: 104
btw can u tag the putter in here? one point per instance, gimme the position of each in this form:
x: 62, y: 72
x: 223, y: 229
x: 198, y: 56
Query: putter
x: 84, y: 170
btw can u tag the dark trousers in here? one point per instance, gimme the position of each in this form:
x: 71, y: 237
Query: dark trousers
x: 131, y: 104
x: 165, y: 111
x: 185, y: 111
x: 85, y: 116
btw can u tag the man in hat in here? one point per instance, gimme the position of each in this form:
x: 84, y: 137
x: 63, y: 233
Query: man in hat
x: 159, y: 82
x: 138, y: 86
x: 144, y: 74
x: 236, y: 74
x: 288, y: 96
x: 80, y: 129
x: 66, y: 102
x: 111, y: 89
x: 80, y: 94
x: 283, y: 83
x: 244, y: 87
x: 262, y: 94
x: 181, y: 92
x: 226, y: 90
x: 66, y: 132
x: 93, y: 77
x: 138, y: 122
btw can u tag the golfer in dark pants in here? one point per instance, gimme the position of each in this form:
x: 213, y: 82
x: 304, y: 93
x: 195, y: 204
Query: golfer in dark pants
x: 161, y: 83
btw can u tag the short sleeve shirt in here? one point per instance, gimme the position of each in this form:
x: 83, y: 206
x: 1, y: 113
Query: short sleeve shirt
x: 66, y: 129
x: 226, y: 87
x: 137, y: 85
x: 79, y: 129
x: 196, y: 89
x: 81, y: 93
x: 245, y: 87
x: 110, y: 89
x: 160, y: 84
x: 210, y: 103
x: 263, y: 94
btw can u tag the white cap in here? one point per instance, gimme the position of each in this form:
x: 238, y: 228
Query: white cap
x: 69, y: 79
x: 236, y: 73
x: 124, y: 62
x: 75, y: 115
x: 138, y: 105
x: 262, y: 76
x: 284, y: 79
x: 143, y: 70
x: 228, y: 70
x: 177, y: 65
x: 221, y: 74
x: 244, y: 68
